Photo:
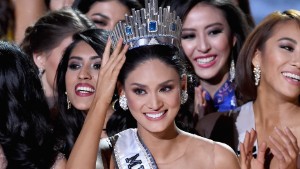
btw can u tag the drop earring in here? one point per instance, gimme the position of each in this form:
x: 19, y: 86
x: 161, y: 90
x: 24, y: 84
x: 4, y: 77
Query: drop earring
x: 184, y: 96
x: 68, y: 101
x: 123, y: 102
x: 232, y: 71
x: 41, y: 72
x: 257, y: 72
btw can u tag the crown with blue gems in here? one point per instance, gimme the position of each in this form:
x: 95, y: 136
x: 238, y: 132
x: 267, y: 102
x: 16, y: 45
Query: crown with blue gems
x: 151, y: 25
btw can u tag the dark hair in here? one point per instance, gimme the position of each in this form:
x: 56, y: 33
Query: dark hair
x: 121, y: 120
x: 51, y: 29
x: 234, y: 17
x: 85, y: 5
x: 256, y: 40
x: 6, y: 18
x: 70, y: 121
x: 245, y: 7
x: 25, y: 131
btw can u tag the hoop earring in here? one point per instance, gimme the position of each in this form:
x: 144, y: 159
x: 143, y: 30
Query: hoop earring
x: 232, y: 71
x: 41, y: 72
x: 257, y: 72
x: 184, y: 96
x: 123, y: 102
x: 68, y: 101
x: 113, y: 104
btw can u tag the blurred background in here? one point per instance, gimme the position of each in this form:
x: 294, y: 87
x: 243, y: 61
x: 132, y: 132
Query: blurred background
x: 261, y: 8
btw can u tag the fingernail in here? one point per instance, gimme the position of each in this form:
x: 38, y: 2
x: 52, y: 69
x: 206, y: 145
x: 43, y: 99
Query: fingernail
x: 286, y: 129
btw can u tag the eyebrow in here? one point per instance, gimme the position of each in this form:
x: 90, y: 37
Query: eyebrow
x: 101, y: 15
x: 288, y: 39
x: 80, y: 58
x: 210, y: 25
x: 144, y: 86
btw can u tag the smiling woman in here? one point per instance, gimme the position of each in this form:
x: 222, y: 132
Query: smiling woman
x: 269, y: 82
x: 45, y: 43
x: 152, y: 88
x: 213, y: 33
x: 77, y: 76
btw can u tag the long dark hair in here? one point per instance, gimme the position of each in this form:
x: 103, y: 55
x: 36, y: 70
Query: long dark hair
x: 70, y: 121
x: 234, y: 17
x: 25, y: 131
x: 120, y: 119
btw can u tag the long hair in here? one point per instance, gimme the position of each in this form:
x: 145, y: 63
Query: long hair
x: 120, y: 119
x: 25, y: 131
x: 51, y: 29
x: 70, y: 121
x: 237, y: 24
x: 256, y: 40
x: 233, y: 15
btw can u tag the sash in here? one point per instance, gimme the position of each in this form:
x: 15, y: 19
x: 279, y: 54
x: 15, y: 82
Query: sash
x: 131, y: 153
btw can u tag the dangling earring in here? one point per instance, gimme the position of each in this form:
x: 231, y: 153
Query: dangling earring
x: 41, y: 72
x: 123, y: 102
x: 68, y: 102
x: 232, y: 71
x: 184, y: 96
x: 256, y: 72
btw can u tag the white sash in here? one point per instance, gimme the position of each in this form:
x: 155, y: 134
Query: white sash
x: 131, y: 153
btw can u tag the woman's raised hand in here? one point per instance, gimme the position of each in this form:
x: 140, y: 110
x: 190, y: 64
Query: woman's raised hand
x: 85, y: 150
x: 200, y: 102
x: 110, y: 67
x: 285, y: 148
x: 247, y: 161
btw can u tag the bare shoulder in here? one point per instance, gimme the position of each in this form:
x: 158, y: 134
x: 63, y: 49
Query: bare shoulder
x: 212, y: 153
x: 225, y: 156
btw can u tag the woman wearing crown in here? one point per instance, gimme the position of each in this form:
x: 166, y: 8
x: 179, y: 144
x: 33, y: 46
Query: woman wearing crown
x: 152, y: 87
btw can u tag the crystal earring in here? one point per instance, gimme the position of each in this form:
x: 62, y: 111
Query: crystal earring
x: 232, y: 71
x: 68, y: 102
x: 256, y: 72
x: 41, y: 72
x: 123, y: 102
x: 184, y: 96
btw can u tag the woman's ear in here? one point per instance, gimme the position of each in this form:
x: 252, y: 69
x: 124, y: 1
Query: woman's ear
x: 39, y: 60
x: 120, y: 89
x: 256, y: 60
x: 184, y: 82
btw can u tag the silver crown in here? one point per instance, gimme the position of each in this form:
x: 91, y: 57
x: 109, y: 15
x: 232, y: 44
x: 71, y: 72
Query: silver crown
x: 149, y: 26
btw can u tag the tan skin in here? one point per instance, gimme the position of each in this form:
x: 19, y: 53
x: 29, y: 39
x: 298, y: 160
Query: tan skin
x: 277, y: 106
x: 83, y: 70
x: 207, y: 43
x: 152, y: 95
x: 191, y: 151
x: 84, y: 152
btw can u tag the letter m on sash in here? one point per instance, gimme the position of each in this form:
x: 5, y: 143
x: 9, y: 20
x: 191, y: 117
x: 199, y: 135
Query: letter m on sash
x: 133, y: 162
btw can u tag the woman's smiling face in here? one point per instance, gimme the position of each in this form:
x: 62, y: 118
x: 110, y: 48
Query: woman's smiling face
x: 153, y: 93
x: 82, y: 75
x: 207, y: 40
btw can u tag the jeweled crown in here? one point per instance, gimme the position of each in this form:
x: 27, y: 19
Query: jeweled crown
x: 149, y: 26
